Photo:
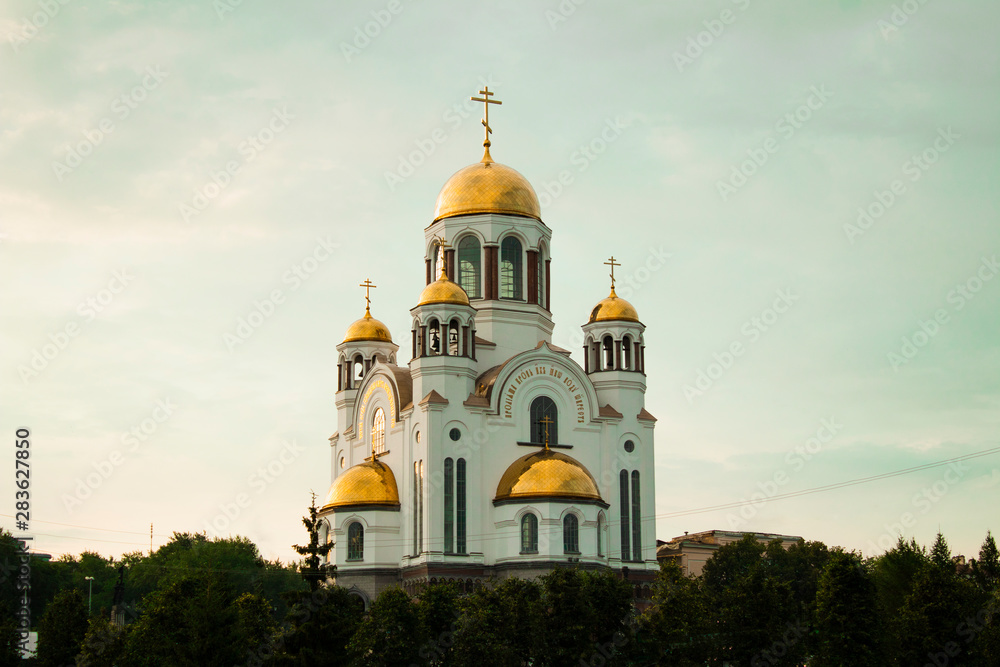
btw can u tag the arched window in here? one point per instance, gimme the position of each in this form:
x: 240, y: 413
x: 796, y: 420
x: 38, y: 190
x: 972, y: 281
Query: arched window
x: 626, y: 362
x: 356, y: 542
x: 460, y: 505
x: 636, y: 534
x: 600, y: 534
x: 469, y: 262
x: 378, y: 431
x: 434, y: 337
x: 359, y: 370
x: 529, y: 534
x: 571, y: 534
x: 449, y: 506
x: 511, y: 274
x: 540, y: 271
x: 453, y: 333
x: 624, y: 503
x: 609, y: 353
x: 543, y: 407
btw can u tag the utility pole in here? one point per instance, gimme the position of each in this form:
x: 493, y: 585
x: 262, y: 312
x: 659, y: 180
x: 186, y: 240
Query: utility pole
x: 90, y: 595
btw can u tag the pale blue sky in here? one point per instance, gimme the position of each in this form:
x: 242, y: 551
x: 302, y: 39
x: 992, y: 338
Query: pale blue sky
x: 182, y: 86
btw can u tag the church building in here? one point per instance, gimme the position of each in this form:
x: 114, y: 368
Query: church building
x: 490, y: 452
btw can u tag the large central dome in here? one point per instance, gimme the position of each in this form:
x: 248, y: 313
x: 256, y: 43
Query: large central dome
x: 487, y: 187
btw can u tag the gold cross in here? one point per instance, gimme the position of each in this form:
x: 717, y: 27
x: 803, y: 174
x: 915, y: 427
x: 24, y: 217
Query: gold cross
x: 368, y: 285
x: 374, y: 454
x: 612, y: 263
x: 442, y: 245
x: 546, y: 421
x: 485, y: 99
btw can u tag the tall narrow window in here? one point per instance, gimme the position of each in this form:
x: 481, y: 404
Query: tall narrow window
x: 636, y: 518
x: 378, y: 431
x: 571, y: 534
x: 416, y: 509
x: 449, y: 506
x: 453, y: 332
x: 356, y: 542
x: 540, y: 272
x: 600, y: 535
x: 511, y: 275
x: 420, y: 502
x: 544, y: 408
x: 626, y: 364
x: 529, y: 534
x: 460, y: 506
x: 358, y: 372
x: 469, y: 263
x: 609, y: 353
x: 626, y: 533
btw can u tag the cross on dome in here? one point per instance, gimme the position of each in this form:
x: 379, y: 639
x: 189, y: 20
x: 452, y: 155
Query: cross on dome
x: 612, y: 263
x: 485, y: 99
x: 369, y: 286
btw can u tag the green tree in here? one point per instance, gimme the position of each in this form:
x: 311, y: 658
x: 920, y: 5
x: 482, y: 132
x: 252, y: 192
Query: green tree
x: 500, y: 625
x: 929, y: 618
x: 986, y: 569
x: 674, y: 630
x: 847, y: 614
x: 437, y: 608
x: 755, y: 611
x: 895, y: 573
x: 104, y: 644
x: 318, y: 628
x: 62, y: 629
x: 10, y: 638
x: 313, y: 570
x: 941, y: 554
x: 391, y: 634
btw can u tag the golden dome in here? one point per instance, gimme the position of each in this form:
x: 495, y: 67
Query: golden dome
x: 487, y: 187
x: 547, y: 474
x: 368, y: 483
x: 443, y: 290
x: 614, y: 308
x: 368, y: 328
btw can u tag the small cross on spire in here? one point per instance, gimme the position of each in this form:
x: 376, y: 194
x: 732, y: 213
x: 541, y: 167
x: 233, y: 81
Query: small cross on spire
x: 369, y: 286
x: 442, y: 246
x: 612, y: 263
x: 485, y: 99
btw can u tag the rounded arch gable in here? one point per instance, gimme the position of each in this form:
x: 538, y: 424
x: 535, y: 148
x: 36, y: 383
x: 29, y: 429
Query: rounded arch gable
x: 527, y: 376
x: 378, y: 390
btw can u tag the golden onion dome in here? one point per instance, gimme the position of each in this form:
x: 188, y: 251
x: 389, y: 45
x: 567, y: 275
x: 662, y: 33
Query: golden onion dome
x: 614, y: 308
x: 368, y: 328
x: 368, y: 483
x: 443, y: 290
x: 487, y: 187
x: 547, y: 474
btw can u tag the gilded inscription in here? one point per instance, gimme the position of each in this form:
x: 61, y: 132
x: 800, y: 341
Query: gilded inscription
x: 566, y: 380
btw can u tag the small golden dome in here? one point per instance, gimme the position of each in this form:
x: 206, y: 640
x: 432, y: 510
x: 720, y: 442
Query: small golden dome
x: 443, y: 290
x: 487, y: 187
x: 547, y: 474
x: 368, y: 483
x: 614, y: 308
x: 368, y: 328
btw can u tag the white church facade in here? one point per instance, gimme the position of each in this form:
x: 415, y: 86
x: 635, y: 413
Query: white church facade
x: 490, y: 452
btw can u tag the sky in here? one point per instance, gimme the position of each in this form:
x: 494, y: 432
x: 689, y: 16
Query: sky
x: 802, y: 196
